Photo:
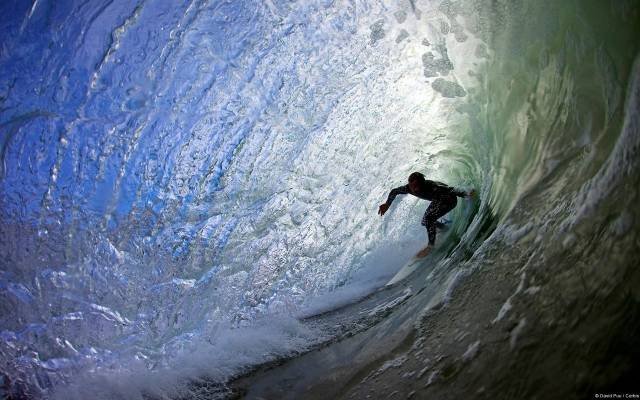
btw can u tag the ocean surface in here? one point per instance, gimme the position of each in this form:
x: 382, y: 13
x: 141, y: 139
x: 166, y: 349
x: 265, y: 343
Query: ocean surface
x: 189, y: 189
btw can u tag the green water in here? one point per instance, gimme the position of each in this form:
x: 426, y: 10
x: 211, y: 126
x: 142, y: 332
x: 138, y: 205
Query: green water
x: 547, y: 279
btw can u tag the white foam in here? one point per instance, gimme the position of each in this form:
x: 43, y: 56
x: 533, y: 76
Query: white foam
x: 213, y: 356
x: 471, y: 351
x: 506, y: 307
x: 516, y: 332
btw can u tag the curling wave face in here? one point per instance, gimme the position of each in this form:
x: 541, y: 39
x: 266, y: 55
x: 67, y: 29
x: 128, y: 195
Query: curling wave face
x: 180, y: 180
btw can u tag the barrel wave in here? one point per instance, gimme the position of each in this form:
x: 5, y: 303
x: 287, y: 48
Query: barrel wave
x: 188, y: 198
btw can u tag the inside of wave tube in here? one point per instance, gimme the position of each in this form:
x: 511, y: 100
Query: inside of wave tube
x: 171, y: 174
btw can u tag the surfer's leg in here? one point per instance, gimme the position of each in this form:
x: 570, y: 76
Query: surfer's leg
x: 439, y: 224
x: 436, y: 210
x: 429, y: 222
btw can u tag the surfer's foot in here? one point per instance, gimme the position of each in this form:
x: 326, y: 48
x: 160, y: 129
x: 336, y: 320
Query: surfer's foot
x: 424, y: 252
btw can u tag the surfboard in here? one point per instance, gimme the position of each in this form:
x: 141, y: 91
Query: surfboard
x: 413, y: 264
x: 405, y: 271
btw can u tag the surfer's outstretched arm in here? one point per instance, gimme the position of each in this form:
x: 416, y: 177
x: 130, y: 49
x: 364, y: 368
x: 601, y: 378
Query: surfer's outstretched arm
x: 392, y: 195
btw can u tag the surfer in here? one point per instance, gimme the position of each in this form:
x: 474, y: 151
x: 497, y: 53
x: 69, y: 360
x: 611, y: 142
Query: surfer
x: 443, y: 199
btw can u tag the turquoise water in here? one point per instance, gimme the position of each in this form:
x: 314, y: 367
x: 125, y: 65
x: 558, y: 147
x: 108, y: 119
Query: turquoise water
x: 179, y: 182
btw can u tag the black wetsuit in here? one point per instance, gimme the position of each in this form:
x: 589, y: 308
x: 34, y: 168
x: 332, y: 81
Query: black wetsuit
x: 443, y: 199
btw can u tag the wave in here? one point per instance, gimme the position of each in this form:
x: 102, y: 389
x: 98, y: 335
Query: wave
x: 183, y: 186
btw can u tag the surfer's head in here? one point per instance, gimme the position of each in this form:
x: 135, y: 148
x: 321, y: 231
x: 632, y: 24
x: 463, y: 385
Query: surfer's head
x: 416, y: 181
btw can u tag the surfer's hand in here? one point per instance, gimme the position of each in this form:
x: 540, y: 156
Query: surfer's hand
x: 383, y: 208
x: 472, y: 193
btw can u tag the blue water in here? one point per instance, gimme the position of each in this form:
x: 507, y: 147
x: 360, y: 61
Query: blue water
x: 179, y: 180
